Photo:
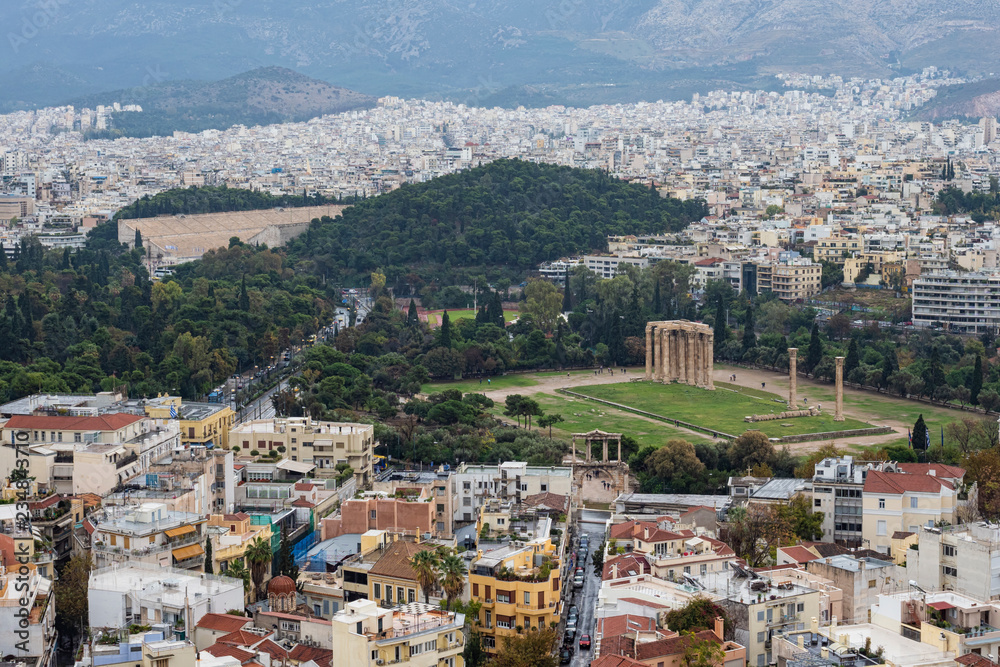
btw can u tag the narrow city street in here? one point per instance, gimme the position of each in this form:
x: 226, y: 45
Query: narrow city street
x: 592, y: 524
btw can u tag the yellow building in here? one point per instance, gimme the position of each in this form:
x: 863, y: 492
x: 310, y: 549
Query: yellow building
x: 201, y: 423
x: 418, y: 634
x: 518, y: 585
x: 835, y: 249
x: 230, y: 535
x: 884, y: 265
x: 897, y: 502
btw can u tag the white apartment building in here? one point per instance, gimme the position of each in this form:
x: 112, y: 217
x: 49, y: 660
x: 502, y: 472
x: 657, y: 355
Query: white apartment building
x: 148, y: 594
x: 472, y: 484
x: 960, y: 302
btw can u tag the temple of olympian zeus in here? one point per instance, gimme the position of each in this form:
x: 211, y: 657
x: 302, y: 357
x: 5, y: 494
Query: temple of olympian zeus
x: 680, y: 351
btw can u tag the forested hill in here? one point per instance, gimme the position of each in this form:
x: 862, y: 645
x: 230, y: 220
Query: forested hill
x: 501, y: 219
x: 189, y: 201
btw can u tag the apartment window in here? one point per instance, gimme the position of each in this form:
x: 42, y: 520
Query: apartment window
x: 545, y: 487
x: 949, y: 571
x: 475, y: 590
x: 399, y: 594
x: 817, y: 502
x: 374, y: 656
x: 913, y: 503
x: 467, y: 501
x: 871, y: 583
x: 371, y: 515
x: 760, y: 615
x: 378, y: 591
x: 881, y: 503
x: 704, y: 570
x: 504, y: 622
x: 761, y: 637
x: 801, y: 607
x: 880, y: 527
x: 503, y: 597
x: 411, y: 595
x: 489, y: 619
x: 527, y: 597
x: 467, y: 486
x: 388, y: 593
x: 949, y: 550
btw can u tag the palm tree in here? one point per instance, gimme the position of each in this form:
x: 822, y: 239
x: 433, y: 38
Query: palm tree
x: 425, y: 565
x: 258, y: 554
x: 452, y: 577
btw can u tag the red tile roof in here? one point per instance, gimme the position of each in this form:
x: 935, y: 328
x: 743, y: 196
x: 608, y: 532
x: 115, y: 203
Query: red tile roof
x: 935, y: 469
x: 672, y: 646
x: 302, y: 653
x: 973, y: 660
x: 612, y: 626
x: 302, y: 502
x: 898, y: 483
x: 110, y: 422
x: 239, y: 638
x: 645, y: 603
x: 616, y: 661
x: 239, y: 516
x: 628, y: 565
x: 222, y: 650
x: 304, y: 486
x: 224, y: 622
x: 798, y: 554
x: 272, y: 649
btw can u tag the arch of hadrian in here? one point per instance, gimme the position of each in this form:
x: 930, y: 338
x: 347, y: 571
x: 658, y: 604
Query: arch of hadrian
x: 680, y: 351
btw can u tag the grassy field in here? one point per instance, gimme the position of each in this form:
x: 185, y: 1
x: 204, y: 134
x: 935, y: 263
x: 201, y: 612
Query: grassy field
x: 466, y: 386
x: 581, y: 415
x: 721, y: 409
x: 434, y: 319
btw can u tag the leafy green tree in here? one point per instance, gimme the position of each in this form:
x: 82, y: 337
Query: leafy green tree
x: 749, y: 449
x: 702, y: 652
x: 71, y: 596
x: 527, y: 649
x: 543, y: 302
x: 237, y: 570
x: 473, y: 654
x: 805, y: 523
x: 698, y: 614
x: 550, y: 420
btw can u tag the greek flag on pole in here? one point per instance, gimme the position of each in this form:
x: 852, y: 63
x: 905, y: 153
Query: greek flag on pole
x: 173, y: 412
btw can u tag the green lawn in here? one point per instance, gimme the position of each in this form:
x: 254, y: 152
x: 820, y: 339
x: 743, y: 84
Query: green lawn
x: 581, y: 415
x: 720, y: 409
x: 434, y: 319
x: 467, y: 386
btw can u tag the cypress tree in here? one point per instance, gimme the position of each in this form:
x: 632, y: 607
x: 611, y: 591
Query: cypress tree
x: 412, y: 319
x: 919, y: 437
x: 209, y: 568
x: 853, y: 359
x: 567, y: 304
x: 445, y: 333
x: 976, y: 385
x: 3, y: 258
x: 244, y: 296
x: 285, y: 559
x: 815, y: 353
x: 138, y: 239
x: 721, y: 328
x: 749, y: 337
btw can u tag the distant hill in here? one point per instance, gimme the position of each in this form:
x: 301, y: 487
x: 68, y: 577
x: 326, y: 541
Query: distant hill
x: 261, y: 96
x: 581, y: 51
x: 969, y: 100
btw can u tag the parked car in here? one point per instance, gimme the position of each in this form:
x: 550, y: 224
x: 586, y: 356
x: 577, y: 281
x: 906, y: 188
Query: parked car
x: 578, y: 581
x: 569, y: 636
x: 585, y: 643
x: 573, y: 610
x: 565, y: 656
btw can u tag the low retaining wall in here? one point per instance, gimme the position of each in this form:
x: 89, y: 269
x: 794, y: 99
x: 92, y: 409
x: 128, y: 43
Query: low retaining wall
x: 830, y: 435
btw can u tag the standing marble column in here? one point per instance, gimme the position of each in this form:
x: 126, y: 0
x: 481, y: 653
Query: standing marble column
x: 604, y: 447
x: 692, y: 374
x: 710, y: 357
x: 649, y: 352
x: 838, y: 414
x: 793, y: 353
x: 574, y: 451
x: 664, y: 348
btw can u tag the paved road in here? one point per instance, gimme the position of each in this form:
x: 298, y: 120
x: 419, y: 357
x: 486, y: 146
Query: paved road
x: 262, y: 407
x: 586, y: 598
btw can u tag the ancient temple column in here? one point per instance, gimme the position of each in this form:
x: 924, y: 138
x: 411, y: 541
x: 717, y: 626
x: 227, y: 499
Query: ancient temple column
x: 692, y: 371
x: 793, y: 353
x: 619, y: 450
x: 586, y: 443
x: 604, y: 448
x: 664, y: 342
x: 649, y: 352
x: 838, y: 414
x: 710, y: 356
x: 573, y: 440
x: 670, y: 350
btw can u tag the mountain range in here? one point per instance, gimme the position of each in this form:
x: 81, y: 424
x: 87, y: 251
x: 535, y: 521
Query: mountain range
x: 479, y: 51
